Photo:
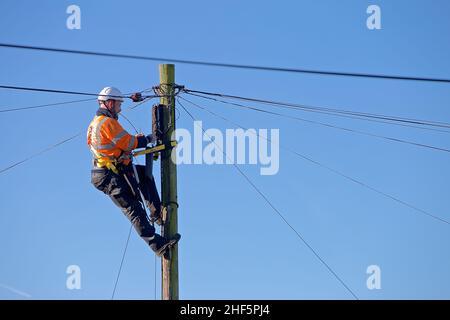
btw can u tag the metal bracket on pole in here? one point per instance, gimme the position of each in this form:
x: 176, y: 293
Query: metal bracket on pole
x: 156, y: 149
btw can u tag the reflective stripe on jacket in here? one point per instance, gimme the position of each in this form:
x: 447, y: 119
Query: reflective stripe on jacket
x: 108, y: 140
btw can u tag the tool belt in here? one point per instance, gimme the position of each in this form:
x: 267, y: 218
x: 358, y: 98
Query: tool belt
x: 114, y: 166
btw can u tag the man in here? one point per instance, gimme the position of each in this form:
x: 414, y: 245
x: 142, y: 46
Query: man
x: 113, y: 173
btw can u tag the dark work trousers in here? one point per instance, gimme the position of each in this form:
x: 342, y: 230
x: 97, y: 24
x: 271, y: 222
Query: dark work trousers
x: 118, y: 189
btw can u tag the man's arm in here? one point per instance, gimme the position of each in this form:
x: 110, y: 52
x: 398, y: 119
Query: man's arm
x: 123, y: 140
x: 119, y: 136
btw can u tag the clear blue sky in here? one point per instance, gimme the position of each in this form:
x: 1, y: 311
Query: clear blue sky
x: 233, y: 245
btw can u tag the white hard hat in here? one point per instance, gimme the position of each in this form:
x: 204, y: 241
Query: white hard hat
x: 108, y: 93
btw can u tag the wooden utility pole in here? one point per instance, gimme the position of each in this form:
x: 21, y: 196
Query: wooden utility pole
x: 169, y: 182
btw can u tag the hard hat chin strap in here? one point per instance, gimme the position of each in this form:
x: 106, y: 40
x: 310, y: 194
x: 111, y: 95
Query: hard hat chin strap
x: 114, y: 114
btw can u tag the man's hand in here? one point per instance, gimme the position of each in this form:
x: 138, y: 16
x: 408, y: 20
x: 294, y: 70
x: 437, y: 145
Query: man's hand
x: 143, y: 140
x: 150, y: 138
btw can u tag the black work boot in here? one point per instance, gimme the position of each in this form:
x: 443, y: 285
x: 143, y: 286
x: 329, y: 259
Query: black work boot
x: 161, y: 245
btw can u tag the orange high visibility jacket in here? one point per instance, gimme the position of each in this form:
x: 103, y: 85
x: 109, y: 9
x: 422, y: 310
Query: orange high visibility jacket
x: 108, y: 140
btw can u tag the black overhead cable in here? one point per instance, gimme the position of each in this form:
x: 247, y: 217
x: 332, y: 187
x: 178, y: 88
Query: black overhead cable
x: 335, y: 114
x: 346, y: 112
x: 363, y: 184
x: 121, y: 263
x: 226, y: 65
x: 66, y: 92
x: 277, y: 211
x: 145, y: 99
x: 142, y: 102
x: 333, y: 126
x: 53, y: 91
x: 46, y: 105
x: 128, y: 120
x: 40, y: 152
